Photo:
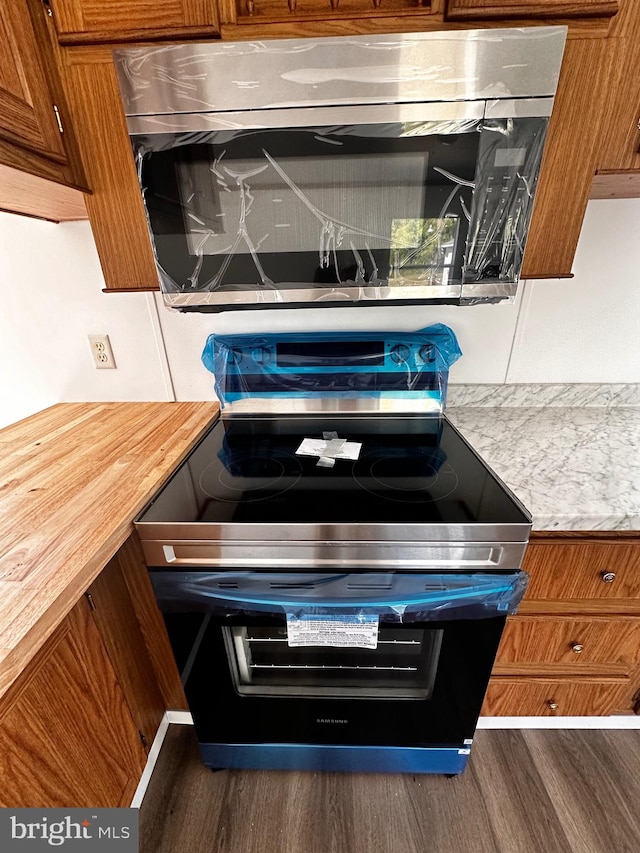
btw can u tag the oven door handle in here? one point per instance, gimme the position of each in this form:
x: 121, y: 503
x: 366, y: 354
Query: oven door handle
x: 278, y: 593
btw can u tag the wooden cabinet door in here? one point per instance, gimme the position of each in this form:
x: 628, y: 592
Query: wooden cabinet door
x: 67, y: 737
x: 95, y: 21
x: 485, y: 9
x: 117, y: 214
x: 27, y: 116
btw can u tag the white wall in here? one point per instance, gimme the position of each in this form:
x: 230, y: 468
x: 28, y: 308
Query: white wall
x: 581, y: 330
x: 586, y: 329
x: 50, y: 292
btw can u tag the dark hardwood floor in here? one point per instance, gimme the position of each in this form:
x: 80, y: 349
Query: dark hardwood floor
x: 524, y: 792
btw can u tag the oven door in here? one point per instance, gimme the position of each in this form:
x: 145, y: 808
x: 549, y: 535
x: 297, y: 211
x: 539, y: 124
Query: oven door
x: 355, y: 671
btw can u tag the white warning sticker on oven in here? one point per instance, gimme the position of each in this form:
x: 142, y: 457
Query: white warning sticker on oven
x: 348, y: 632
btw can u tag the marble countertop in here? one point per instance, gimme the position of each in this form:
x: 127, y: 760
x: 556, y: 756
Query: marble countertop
x: 574, y: 468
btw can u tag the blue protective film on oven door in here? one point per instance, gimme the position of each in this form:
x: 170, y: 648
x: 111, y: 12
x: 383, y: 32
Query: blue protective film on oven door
x: 391, y: 596
x: 334, y: 365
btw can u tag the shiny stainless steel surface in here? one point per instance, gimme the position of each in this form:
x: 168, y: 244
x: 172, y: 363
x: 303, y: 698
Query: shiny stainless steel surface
x: 519, y: 108
x: 386, y: 403
x: 461, y: 65
x: 269, y: 296
x: 218, y: 550
x: 423, y: 119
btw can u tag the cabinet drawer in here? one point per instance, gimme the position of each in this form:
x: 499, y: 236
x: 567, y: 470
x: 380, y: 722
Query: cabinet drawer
x: 538, y: 697
x: 597, y: 570
x: 571, y: 642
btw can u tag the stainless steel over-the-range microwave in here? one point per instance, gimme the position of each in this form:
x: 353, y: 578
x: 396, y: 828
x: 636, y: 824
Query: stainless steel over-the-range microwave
x: 382, y: 169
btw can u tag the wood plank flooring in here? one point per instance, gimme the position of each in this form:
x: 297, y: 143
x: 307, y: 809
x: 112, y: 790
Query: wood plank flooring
x: 537, y: 791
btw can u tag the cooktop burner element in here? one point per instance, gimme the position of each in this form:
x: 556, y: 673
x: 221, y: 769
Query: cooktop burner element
x: 402, y: 477
x: 246, y: 472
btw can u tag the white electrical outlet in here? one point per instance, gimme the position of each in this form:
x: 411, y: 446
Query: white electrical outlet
x: 101, y: 351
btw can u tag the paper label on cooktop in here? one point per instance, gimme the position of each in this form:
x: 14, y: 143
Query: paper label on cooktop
x: 334, y: 448
x: 347, y: 632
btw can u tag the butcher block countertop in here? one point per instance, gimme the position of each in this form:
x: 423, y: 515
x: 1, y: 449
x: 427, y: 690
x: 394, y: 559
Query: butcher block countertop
x: 72, y: 478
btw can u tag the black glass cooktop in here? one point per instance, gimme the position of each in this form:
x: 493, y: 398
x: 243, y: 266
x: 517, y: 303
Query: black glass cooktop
x: 411, y: 469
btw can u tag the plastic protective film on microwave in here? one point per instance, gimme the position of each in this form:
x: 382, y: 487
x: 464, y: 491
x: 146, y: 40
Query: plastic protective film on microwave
x: 392, y: 365
x: 386, y: 169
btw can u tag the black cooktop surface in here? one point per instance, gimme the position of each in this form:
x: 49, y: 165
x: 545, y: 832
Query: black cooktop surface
x: 411, y: 469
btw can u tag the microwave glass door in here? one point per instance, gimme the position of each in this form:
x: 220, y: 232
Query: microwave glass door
x: 308, y: 212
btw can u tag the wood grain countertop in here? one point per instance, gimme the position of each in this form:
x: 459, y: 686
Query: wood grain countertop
x: 72, y: 478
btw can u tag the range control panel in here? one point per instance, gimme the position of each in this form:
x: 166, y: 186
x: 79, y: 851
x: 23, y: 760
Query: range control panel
x: 375, y: 356
x: 331, y: 365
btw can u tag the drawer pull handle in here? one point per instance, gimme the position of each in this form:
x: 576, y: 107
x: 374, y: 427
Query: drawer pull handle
x: 608, y: 577
x: 577, y: 648
x: 553, y: 706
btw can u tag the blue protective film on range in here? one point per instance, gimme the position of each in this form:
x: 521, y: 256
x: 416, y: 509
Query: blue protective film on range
x: 319, y: 364
x: 393, y: 597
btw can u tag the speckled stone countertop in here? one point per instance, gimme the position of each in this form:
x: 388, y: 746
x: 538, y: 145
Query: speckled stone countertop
x: 575, y: 467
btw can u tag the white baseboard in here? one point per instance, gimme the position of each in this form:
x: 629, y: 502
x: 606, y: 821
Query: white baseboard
x: 154, y: 752
x: 618, y: 721
x: 182, y: 718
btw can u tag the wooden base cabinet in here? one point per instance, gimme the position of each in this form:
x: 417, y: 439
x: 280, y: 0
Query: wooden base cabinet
x: 77, y: 725
x: 67, y: 737
x: 574, y: 647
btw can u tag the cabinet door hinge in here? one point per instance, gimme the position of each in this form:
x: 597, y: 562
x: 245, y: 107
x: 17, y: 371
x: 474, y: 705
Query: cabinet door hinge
x: 89, y: 598
x: 58, y: 119
x: 47, y: 6
x: 143, y: 739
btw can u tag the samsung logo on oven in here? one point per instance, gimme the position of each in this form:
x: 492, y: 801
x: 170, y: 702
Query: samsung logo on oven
x: 330, y: 720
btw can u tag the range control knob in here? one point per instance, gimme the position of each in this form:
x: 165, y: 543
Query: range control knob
x: 261, y: 355
x: 400, y: 353
x: 427, y: 353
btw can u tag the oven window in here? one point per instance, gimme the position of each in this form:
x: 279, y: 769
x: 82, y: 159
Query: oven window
x: 403, y: 666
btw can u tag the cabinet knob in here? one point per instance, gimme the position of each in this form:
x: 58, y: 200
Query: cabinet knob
x: 376, y: 5
x: 334, y: 4
x: 577, y: 648
x: 608, y: 577
x: 250, y: 7
x: 553, y: 706
x: 292, y: 5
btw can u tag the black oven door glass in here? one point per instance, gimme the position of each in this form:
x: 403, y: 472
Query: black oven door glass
x: 310, y: 207
x: 402, y: 666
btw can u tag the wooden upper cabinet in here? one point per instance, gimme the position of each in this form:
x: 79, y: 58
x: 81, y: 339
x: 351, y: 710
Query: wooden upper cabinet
x: 95, y: 21
x: 570, y: 158
x: 497, y: 9
x: 27, y: 116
